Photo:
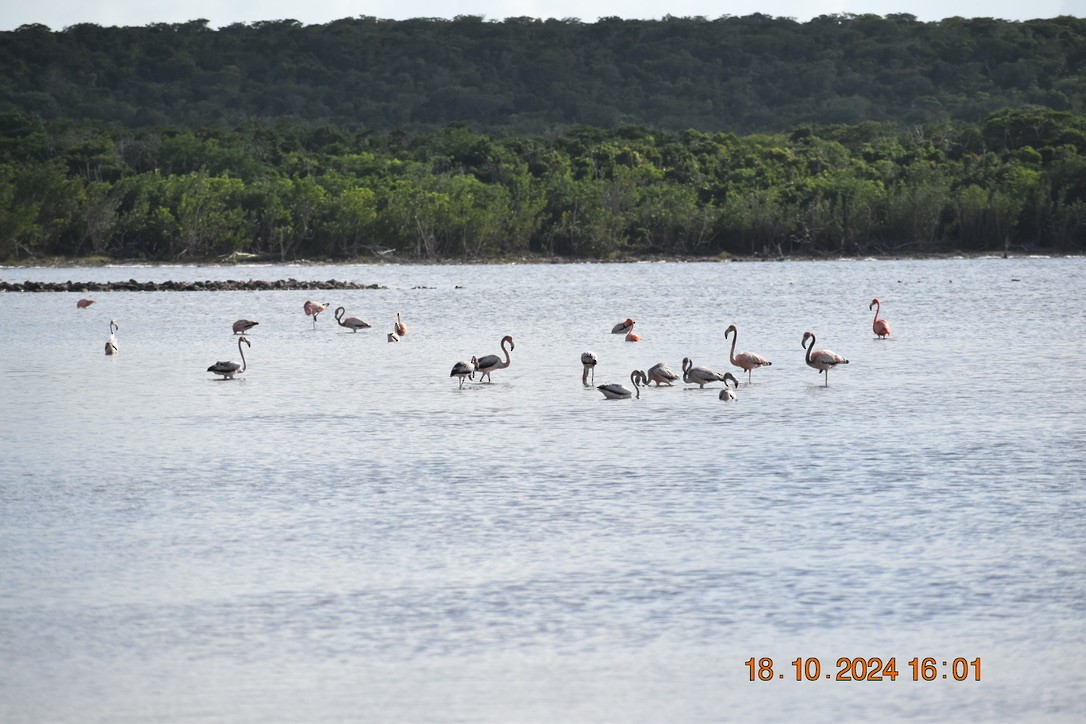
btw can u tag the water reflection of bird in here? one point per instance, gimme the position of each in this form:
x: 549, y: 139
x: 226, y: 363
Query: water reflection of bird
x: 229, y: 369
x: 111, y: 343
x: 490, y: 362
x: 352, y: 323
x: 401, y: 328
x: 744, y: 360
x: 312, y: 309
x: 700, y: 376
x: 661, y: 374
x: 243, y: 325
x: 588, y: 359
x: 821, y: 359
x: 463, y: 369
x: 619, y: 392
x: 880, y: 327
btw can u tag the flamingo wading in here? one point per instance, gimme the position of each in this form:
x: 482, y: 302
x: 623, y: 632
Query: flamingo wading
x: 821, y: 359
x: 464, y: 369
x: 744, y: 360
x: 400, y: 328
x: 243, y: 325
x: 880, y: 327
x: 589, y: 361
x: 352, y: 323
x: 229, y: 369
x: 728, y: 393
x: 111, y: 343
x: 312, y: 309
x: 488, y: 363
x: 700, y: 376
x: 661, y: 374
x: 619, y: 392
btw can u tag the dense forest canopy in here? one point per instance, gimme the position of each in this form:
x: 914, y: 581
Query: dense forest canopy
x: 735, y: 74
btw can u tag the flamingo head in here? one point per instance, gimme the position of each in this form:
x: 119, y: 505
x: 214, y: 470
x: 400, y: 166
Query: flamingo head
x: 874, y: 303
x: 508, y: 339
x: 475, y: 362
x: 806, y: 336
x: 731, y: 328
x: 687, y: 363
x: 245, y: 340
x: 730, y: 376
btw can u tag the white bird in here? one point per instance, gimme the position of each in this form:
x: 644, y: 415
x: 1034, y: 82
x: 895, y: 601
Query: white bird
x: 229, y: 369
x: 352, y: 323
x: 821, y: 359
x: 488, y: 363
x: 392, y: 337
x: 588, y: 359
x: 661, y: 374
x: 464, y: 369
x: 111, y: 343
x: 728, y: 393
x: 700, y: 376
x: 618, y: 392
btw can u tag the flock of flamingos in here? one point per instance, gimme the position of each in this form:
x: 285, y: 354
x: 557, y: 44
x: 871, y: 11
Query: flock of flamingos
x: 822, y: 360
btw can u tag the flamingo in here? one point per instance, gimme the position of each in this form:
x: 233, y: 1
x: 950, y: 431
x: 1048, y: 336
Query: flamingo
x: 463, y: 369
x: 618, y: 392
x: 243, y: 326
x: 631, y: 337
x: 352, y: 323
x: 488, y: 363
x: 661, y: 374
x: 84, y: 303
x: 880, y: 327
x: 401, y: 328
x: 111, y: 343
x: 623, y: 327
x: 392, y: 337
x: 700, y: 376
x: 229, y: 369
x: 821, y: 359
x: 728, y: 393
x: 588, y: 359
x: 312, y: 309
x: 744, y: 360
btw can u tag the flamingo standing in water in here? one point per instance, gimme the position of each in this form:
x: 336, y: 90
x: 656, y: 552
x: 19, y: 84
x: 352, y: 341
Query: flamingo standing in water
x: 243, y: 325
x: 464, y: 369
x: 700, y: 376
x: 618, y: 392
x: 728, y: 393
x: 588, y: 359
x: 352, y: 323
x: 111, y: 343
x: 84, y: 303
x: 229, y: 369
x: 821, y: 359
x: 400, y: 327
x: 744, y: 360
x: 626, y: 327
x: 312, y: 309
x: 661, y: 374
x: 488, y: 363
x: 880, y: 327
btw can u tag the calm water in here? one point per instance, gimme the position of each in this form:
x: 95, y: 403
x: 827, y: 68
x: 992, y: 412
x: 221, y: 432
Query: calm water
x: 342, y: 534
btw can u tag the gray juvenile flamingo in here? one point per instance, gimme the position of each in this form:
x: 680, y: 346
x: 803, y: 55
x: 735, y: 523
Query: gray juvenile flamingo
x: 111, y: 343
x: 661, y: 374
x: 488, y: 363
x: 243, y: 325
x: 700, y: 376
x: 464, y: 369
x: 352, y: 323
x: 618, y: 392
x: 229, y: 369
x: 589, y: 361
x: 728, y: 393
x: 821, y: 359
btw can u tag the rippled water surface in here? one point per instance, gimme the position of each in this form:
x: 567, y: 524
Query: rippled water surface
x: 342, y: 534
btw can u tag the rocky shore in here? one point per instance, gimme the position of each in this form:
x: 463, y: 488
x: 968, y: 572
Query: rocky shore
x: 229, y: 285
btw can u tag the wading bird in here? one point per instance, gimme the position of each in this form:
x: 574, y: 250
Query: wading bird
x: 229, y: 369
x: 821, y: 359
x: 392, y: 337
x: 464, y: 369
x: 622, y: 327
x: 618, y: 392
x: 243, y: 325
x: 880, y: 327
x: 84, y: 303
x: 744, y: 360
x: 312, y: 309
x: 588, y: 359
x: 111, y: 343
x: 488, y: 363
x: 700, y: 376
x: 728, y: 393
x: 401, y: 328
x: 352, y: 323
x: 661, y: 374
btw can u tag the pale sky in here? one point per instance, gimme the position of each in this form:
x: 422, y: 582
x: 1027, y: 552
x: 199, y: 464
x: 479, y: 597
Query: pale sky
x: 58, y: 14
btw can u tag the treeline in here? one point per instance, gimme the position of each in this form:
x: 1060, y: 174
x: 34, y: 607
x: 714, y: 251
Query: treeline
x: 292, y: 190
x: 736, y: 74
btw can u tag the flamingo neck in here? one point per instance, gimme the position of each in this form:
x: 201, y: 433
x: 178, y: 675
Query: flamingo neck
x: 242, y: 353
x: 876, y: 319
x: 809, y: 348
x: 731, y: 355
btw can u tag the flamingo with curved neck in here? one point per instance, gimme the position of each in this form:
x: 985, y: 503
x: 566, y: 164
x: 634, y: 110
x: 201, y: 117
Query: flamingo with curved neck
x: 229, y: 369
x: 880, y: 327
x: 352, y: 323
x: 619, y: 392
x: 728, y: 393
x: 489, y: 363
x: 699, y: 376
x: 111, y: 343
x: 821, y: 359
x: 744, y: 360
x: 589, y: 361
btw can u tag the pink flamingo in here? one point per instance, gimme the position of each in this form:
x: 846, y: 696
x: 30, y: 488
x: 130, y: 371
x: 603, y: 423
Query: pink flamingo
x: 243, y: 325
x: 623, y: 327
x: 821, y: 359
x: 744, y: 360
x: 401, y: 328
x: 312, y: 309
x: 84, y: 303
x: 879, y: 326
x: 352, y: 323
